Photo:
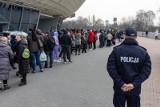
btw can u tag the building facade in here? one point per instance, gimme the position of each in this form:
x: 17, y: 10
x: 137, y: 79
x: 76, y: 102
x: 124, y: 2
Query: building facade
x: 15, y: 17
x: 20, y: 15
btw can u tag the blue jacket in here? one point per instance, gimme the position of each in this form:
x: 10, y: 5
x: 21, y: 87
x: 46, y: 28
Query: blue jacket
x: 129, y: 63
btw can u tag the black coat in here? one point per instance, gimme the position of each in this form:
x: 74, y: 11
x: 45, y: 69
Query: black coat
x: 47, y: 43
x: 65, y: 40
x: 24, y: 64
x: 129, y: 63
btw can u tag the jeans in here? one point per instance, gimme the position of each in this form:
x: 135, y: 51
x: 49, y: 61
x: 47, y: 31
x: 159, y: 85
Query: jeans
x: 89, y: 45
x: 49, y: 56
x: 56, y: 52
x: 35, y: 56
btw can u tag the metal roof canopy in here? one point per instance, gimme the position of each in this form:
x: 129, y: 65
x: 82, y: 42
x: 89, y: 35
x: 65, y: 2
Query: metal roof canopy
x: 45, y: 16
x: 63, y: 8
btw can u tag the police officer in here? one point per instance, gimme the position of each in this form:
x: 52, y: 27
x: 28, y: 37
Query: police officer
x: 129, y: 65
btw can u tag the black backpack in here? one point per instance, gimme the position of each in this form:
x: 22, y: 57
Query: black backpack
x: 51, y: 42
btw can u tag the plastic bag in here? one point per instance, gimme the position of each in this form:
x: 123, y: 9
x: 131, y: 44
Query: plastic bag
x: 43, y: 57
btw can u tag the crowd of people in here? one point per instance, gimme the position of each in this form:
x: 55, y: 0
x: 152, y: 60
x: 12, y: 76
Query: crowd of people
x: 129, y: 64
x: 37, y: 42
x: 26, y: 50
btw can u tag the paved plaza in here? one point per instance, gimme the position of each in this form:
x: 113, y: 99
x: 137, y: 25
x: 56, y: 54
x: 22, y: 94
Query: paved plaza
x: 84, y: 83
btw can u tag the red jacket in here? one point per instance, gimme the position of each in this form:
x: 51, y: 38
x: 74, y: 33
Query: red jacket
x: 90, y: 36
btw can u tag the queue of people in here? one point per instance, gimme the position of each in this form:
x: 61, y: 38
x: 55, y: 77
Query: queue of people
x: 129, y: 64
x: 26, y: 51
x: 109, y: 37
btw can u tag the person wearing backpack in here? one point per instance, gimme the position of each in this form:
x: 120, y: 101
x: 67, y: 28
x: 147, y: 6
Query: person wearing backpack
x: 34, y: 49
x: 48, y: 49
x: 23, y: 55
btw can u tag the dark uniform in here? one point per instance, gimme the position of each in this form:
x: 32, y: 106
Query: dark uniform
x: 128, y: 63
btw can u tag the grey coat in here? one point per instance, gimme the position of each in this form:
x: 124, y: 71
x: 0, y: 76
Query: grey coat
x: 32, y: 45
x: 5, y: 55
x: 78, y: 39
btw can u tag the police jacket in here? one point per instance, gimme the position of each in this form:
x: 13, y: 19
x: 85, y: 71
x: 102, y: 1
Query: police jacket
x: 129, y: 63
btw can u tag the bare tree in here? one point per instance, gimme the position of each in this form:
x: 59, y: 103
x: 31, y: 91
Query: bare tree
x: 126, y: 22
x: 99, y: 24
x: 83, y: 23
x: 144, y: 19
x: 158, y: 18
x: 158, y: 22
x: 107, y: 24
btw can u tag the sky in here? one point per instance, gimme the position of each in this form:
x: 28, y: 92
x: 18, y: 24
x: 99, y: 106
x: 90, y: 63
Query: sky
x: 108, y: 9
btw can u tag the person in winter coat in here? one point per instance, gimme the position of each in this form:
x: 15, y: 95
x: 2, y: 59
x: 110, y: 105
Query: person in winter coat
x: 102, y: 39
x: 78, y: 42
x: 84, y: 42
x: 13, y: 42
x: 114, y: 34
x: 48, y: 49
x: 109, y: 39
x: 95, y: 39
x: 66, y: 43
x: 129, y: 65
x: 90, y: 39
x: 32, y: 40
x: 6, y: 55
x: 23, y: 63
x: 56, y: 47
x: 72, y: 32
x: 39, y: 34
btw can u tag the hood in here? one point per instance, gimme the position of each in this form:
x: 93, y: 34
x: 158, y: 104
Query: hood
x: 54, y: 33
x: 78, y: 34
x: 3, y: 44
x: 24, y: 42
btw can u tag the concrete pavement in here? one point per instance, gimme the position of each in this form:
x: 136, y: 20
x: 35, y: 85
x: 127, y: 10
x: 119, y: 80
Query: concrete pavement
x: 84, y: 83
x: 151, y: 88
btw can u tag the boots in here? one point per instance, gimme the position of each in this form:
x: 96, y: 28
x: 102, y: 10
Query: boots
x: 17, y: 73
x: 6, y: 87
x: 22, y: 83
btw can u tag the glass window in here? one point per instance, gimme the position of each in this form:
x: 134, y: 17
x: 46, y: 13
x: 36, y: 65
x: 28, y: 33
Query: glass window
x: 24, y: 27
x: 32, y: 26
x: 26, y: 16
x: 34, y: 17
x: 16, y: 14
x: 13, y: 26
